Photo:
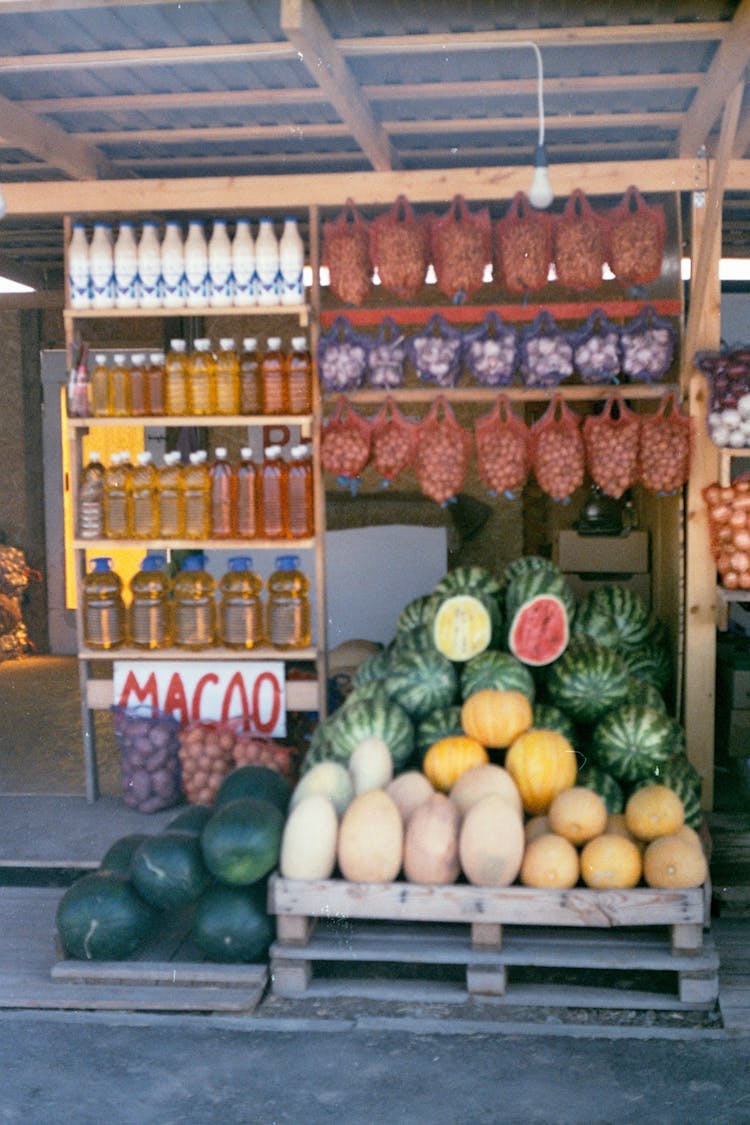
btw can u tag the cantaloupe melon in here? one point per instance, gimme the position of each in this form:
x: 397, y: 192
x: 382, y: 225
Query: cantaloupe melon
x: 578, y: 814
x: 431, y: 842
x: 409, y: 790
x: 480, y: 782
x: 611, y: 862
x: 371, y: 839
x: 617, y: 826
x: 654, y: 810
x: 491, y: 843
x: 536, y: 826
x: 308, y: 845
x: 550, y: 862
x: 674, y: 862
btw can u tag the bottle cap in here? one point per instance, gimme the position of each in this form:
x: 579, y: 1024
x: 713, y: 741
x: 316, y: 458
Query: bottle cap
x: 144, y: 458
x: 246, y: 453
x: 153, y: 562
x: 193, y: 562
x: 177, y: 345
x: 220, y: 453
x: 272, y: 452
x: 241, y: 562
x: 94, y: 456
x: 274, y: 343
x: 101, y: 565
x: 249, y: 343
x: 138, y: 358
x: 202, y: 344
x: 156, y: 357
x: 299, y: 343
x: 101, y: 359
x: 287, y: 562
x: 227, y: 344
x: 120, y: 359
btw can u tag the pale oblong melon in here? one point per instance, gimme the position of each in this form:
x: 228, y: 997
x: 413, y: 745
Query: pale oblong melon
x: 409, y: 790
x: 371, y: 765
x: 431, y: 842
x: 371, y: 839
x: 480, y: 782
x: 308, y: 845
x: 331, y: 779
x: 491, y: 843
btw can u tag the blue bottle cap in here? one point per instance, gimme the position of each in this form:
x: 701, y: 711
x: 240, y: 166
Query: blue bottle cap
x: 194, y: 562
x: 154, y: 562
x: 241, y: 562
x: 287, y: 562
x: 101, y: 566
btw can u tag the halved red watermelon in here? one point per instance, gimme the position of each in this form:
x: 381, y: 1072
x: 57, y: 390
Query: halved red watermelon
x: 539, y: 631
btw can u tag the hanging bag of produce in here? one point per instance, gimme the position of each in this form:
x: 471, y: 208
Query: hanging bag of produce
x: 729, y: 530
x: 637, y: 231
x: 342, y: 357
x: 400, y: 249
x: 523, y: 247
x: 442, y: 455
x: 436, y: 352
x: 596, y: 350
x: 557, y: 451
x: 611, y: 439
x: 580, y: 244
x: 345, y: 442
x: 346, y: 253
x: 393, y: 441
x: 461, y: 242
x: 665, y: 448
x: 546, y: 352
x: 728, y: 375
x: 503, y: 449
x: 647, y: 347
x: 491, y: 351
x: 387, y: 356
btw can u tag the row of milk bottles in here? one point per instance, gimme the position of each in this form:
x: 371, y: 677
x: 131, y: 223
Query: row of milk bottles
x: 220, y: 500
x: 184, y: 612
x: 150, y: 272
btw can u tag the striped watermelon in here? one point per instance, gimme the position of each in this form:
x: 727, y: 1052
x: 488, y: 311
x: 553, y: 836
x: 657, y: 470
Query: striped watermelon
x: 635, y: 622
x: 547, y: 717
x: 336, y: 738
x: 527, y: 564
x: 539, y: 632
x: 499, y: 670
x: 421, y: 682
x: 641, y: 692
x: 651, y: 663
x: 587, y: 681
x: 461, y: 579
x: 632, y: 741
x: 525, y: 587
x: 419, y: 611
x: 374, y: 668
x: 593, y: 618
x: 592, y: 777
x: 441, y: 723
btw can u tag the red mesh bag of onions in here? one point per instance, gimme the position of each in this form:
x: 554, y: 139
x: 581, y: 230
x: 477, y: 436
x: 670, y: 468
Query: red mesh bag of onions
x: 206, y: 757
x: 502, y: 441
x: 253, y: 749
x: 665, y: 447
x: 345, y: 443
x: 523, y: 247
x: 729, y: 529
x: 346, y: 253
x: 400, y: 249
x: 442, y: 454
x: 637, y: 231
x: 611, y: 439
x: 393, y: 441
x: 461, y: 242
x: 557, y: 451
x: 580, y: 244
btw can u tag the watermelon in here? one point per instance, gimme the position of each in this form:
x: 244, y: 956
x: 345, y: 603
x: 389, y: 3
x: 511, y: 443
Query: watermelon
x: 441, y: 723
x: 593, y: 618
x: 547, y: 717
x: 527, y: 564
x: 242, y: 840
x: 651, y: 663
x: 463, y: 579
x: 419, y: 611
x: 255, y: 781
x: 465, y: 625
x: 168, y: 870
x: 524, y: 587
x: 641, y: 692
x: 632, y: 740
x: 538, y: 632
x: 421, y: 681
x: 375, y: 667
x: 118, y: 855
x: 499, y: 670
x: 634, y: 621
x: 336, y: 738
x: 102, y: 917
x: 592, y: 777
x: 680, y: 774
x: 192, y: 819
x: 587, y: 681
x: 418, y: 639
x: 232, y: 923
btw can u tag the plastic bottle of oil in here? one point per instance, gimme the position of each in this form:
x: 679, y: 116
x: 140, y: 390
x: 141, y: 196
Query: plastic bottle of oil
x: 91, y: 499
x: 194, y: 607
x: 240, y: 623
x: 197, y: 492
x: 274, y: 382
x: 300, y: 493
x: 251, y: 398
x: 149, y: 623
x: 299, y: 377
x: 202, y: 378
x: 273, y: 494
x: 117, y: 497
x: 120, y: 382
x: 175, y: 378
x: 154, y: 373
x: 171, y: 500
x: 222, y: 496
x: 288, y: 607
x: 139, y: 406
x: 100, y: 387
x: 144, y: 502
x: 103, y: 606
x: 247, y: 516
x: 227, y: 378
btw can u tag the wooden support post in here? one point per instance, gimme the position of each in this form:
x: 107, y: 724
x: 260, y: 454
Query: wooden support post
x: 290, y: 978
x: 687, y: 937
x: 294, y: 929
x: 486, y: 980
x: 486, y: 935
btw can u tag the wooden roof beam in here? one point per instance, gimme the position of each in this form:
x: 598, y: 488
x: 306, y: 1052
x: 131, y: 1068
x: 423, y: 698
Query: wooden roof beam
x: 24, y: 130
x: 727, y: 67
x: 303, y: 26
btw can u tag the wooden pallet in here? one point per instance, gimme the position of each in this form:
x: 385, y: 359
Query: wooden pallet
x: 626, y: 949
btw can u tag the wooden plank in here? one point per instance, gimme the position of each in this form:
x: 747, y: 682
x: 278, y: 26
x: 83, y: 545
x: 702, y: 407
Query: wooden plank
x: 697, y: 987
x: 80, y: 159
x: 486, y: 935
x: 294, y: 929
x: 485, y: 980
x: 687, y: 938
x: 160, y: 973
x: 723, y: 75
x: 290, y: 978
x: 135, y: 998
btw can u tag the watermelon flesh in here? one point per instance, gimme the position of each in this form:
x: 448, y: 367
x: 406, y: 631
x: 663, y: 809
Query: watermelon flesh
x: 539, y: 631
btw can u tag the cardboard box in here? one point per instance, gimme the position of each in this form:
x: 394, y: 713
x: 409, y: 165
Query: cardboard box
x: 603, y: 554
x: 582, y: 584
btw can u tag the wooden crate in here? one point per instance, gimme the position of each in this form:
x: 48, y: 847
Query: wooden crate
x: 627, y: 949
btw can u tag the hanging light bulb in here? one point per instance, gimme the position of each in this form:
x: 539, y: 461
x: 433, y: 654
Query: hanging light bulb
x: 3, y: 204
x: 540, y: 192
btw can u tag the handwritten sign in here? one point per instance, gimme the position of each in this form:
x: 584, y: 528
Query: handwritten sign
x: 251, y: 692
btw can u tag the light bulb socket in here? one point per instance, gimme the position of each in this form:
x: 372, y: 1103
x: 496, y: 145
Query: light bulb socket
x: 540, y: 156
x: 541, y: 193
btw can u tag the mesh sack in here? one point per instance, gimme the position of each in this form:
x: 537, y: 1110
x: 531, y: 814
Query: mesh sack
x: 647, y: 346
x: 400, y: 249
x: 611, y: 439
x: 386, y: 356
x: 580, y: 244
x: 523, y: 247
x: 490, y: 352
x: 345, y: 443
x: 665, y: 447
x: 729, y: 530
x: 342, y: 357
x: 206, y: 757
x: 546, y: 352
x: 442, y: 454
x: 346, y: 253
x: 393, y: 441
x: 435, y: 353
x: 503, y: 449
x: 148, y: 743
x: 557, y: 451
x: 728, y: 375
x: 596, y: 349
x: 254, y: 749
x: 461, y: 242
x: 637, y: 231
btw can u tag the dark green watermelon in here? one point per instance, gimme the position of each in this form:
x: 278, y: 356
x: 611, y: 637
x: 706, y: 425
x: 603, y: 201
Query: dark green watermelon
x: 337, y: 737
x: 168, y: 870
x: 374, y: 668
x: 592, y: 777
x: 545, y: 716
x: 241, y: 841
x: 232, y: 923
x: 192, y: 819
x: 472, y: 579
x: 631, y: 741
x: 118, y: 855
x: 634, y: 621
x: 498, y: 670
x: 255, y: 781
x: 441, y: 723
x: 416, y: 613
x: 422, y: 681
x: 587, y: 681
x: 651, y: 663
x: 102, y: 917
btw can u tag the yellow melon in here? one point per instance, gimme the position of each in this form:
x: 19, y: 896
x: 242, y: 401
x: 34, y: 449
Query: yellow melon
x: 496, y: 717
x: 688, y: 833
x: 371, y: 839
x: 674, y: 862
x: 654, y: 810
x: 431, y: 842
x: 617, y: 826
x: 450, y: 757
x: 480, y: 782
x: 542, y: 763
x: 409, y: 790
x: 578, y: 814
x: 550, y: 862
x: 491, y: 842
x: 611, y: 862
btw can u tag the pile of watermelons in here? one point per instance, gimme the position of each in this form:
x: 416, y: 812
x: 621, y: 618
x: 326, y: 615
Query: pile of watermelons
x: 208, y: 864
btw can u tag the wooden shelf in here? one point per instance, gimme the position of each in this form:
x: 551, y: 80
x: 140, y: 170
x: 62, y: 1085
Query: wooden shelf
x: 179, y: 420
x: 572, y: 392
x: 218, y: 544
x: 300, y: 311
x: 474, y: 314
x: 215, y: 652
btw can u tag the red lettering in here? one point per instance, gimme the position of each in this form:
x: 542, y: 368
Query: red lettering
x: 275, y: 435
x: 236, y: 685
x: 176, y: 700
x: 142, y: 694
x: 208, y: 678
x: 266, y: 678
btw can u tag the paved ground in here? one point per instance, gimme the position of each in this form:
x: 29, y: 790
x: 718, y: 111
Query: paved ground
x: 84, y: 1070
